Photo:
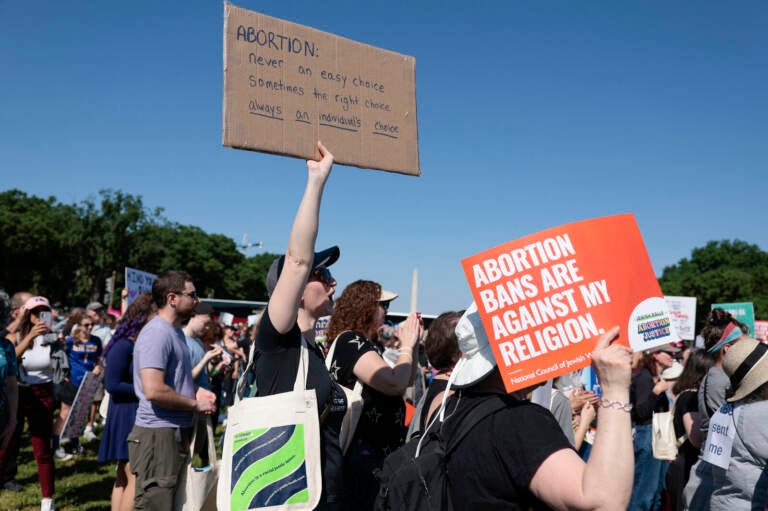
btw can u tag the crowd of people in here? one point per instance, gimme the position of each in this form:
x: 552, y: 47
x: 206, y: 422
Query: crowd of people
x: 585, y: 441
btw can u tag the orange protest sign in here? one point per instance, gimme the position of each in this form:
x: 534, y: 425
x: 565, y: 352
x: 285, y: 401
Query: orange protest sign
x: 546, y: 298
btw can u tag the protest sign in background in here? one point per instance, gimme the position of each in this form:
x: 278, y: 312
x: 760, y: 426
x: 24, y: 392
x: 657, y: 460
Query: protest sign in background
x: 321, y: 328
x: 81, y: 406
x: 761, y: 330
x: 545, y: 299
x: 743, y: 311
x: 682, y: 312
x: 137, y: 282
x: 287, y: 86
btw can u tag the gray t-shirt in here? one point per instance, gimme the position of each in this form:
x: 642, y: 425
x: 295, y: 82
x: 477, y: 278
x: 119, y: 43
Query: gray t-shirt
x: 744, y: 485
x: 161, y: 345
x: 711, y: 395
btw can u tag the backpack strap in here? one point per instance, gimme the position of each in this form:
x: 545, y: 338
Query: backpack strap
x: 488, y: 406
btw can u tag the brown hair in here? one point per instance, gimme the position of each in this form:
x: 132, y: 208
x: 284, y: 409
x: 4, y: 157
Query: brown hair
x: 212, y: 333
x: 168, y: 282
x: 646, y: 361
x: 441, y: 345
x: 26, y: 321
x: 355, y: 310
x: 716, y: 322
x: 695, y: 368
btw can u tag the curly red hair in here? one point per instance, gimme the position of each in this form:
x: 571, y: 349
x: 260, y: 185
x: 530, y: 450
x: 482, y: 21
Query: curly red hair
x: 356, y: 310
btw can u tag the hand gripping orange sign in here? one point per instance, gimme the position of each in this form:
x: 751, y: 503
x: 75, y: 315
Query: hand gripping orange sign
x: 546, y: 298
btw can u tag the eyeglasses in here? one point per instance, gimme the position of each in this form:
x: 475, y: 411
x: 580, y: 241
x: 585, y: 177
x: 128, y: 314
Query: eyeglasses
x: 385, y: 306
x: 191, y: 294
x: 323, y: 274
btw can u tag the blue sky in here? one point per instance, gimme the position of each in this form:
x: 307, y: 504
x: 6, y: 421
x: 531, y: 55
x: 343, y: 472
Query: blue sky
x: 531, y: 115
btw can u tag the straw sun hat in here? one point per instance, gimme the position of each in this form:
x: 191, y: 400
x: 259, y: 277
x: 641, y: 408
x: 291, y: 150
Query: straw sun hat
x: 746, y: 364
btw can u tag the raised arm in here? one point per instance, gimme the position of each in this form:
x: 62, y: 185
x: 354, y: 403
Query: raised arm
x: 283, y: 304
x: 563, y: 480
x: 372, y: 370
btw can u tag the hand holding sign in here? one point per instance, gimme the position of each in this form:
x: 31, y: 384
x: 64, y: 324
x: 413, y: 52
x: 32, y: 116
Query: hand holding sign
x: 321, y: 169
x: 542, y: 297
x: 613, y: 364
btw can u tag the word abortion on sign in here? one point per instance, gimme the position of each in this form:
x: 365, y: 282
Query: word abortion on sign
x: 287, y: 85
x: 137, y: 282
x: 544, y: 299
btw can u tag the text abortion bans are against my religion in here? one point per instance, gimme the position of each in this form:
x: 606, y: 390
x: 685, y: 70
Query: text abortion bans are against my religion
x: 546, y: 298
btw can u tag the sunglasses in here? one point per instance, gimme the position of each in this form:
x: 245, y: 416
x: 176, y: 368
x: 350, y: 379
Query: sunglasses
x: 191, y: 294
x: 323, y: 275
x: 86, y: 325
x: 385, y: 306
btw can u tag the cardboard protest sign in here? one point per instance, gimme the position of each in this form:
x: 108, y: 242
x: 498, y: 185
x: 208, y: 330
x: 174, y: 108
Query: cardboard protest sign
x: 81, y: 406
x: 743, y: 311
x: 287, y: 86
x: 137, y: 282
x: 761, y: 330
x: 682, y: 311
x: 546, y: 298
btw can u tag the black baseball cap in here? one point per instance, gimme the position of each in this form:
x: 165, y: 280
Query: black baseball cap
x: 323, y: 258
x: 204, y: 308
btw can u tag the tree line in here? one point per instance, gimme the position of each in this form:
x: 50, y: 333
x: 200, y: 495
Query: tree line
x: 67, y: 251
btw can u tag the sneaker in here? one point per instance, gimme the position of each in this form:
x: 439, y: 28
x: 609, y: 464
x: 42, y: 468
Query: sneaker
x: 47, y: 505
x: 89, y: 435
x: 61, y: 454
x: 13, y: 485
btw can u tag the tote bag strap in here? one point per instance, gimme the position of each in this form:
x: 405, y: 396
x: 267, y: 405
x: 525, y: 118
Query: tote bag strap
x: 301, y: 374
x: 243, y: 379
x: 211, y: 442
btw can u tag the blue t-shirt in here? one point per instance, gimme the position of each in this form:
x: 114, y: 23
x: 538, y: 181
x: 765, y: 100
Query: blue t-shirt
x: 161, y: 345
x: 196, y: 354
x: 8, y: 364
x: 83, y: 357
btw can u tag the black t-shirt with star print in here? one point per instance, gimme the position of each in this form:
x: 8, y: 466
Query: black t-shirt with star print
x: 382, y: 421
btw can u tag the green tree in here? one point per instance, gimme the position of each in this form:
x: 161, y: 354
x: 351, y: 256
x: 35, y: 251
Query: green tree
x: 67, y: 251
x: 37, y: 240
x: 109, y: 230
x: 720, y: 271
x: 248, y: 280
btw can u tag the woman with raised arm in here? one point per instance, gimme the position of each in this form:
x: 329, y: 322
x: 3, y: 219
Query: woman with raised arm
x: 357, y: 356
x: 36, y: 402
x: 517, y: 457
x: 301, y: 290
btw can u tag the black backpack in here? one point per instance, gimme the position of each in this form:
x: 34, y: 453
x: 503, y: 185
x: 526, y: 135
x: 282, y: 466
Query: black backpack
x: 407, y: 482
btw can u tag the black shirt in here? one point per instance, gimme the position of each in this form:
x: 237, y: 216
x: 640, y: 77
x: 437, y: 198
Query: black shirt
x: 437, y: 386
x: 278, y: 363
x: 644, y: 401
x: 276, y: 370
x: 382, y: 423
x: 493, y: 465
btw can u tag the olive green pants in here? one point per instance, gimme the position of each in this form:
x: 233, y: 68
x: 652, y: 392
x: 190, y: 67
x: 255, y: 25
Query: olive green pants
x: 157, y: 457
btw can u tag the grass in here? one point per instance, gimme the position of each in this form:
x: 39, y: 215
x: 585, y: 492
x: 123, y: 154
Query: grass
x: 82, y: 483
